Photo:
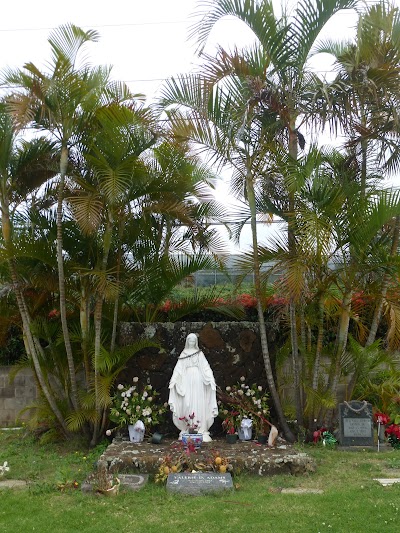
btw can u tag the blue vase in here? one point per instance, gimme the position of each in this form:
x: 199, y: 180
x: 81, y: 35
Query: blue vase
x: 196, y: 438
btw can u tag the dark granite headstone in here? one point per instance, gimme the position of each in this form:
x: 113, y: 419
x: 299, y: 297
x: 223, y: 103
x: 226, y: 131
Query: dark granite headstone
x: 356, y: 424
x: 198, y: 482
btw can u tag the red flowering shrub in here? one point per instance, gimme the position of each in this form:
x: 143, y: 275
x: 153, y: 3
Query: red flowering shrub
x: 167, y: 306
x: 381, y: 418
x: 276, y: 301
x: 209, y: 308
x: 392, y: 433
x: 247, y: 300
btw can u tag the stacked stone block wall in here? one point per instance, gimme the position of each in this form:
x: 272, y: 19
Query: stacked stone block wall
x: 15, y: 395
x: 233, y: 349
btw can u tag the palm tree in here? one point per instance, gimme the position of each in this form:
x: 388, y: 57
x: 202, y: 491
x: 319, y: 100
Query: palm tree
x: 24, y: 166
x: 208, y: 119
x: 131, y: 178
x: 102, y: 137
x: 268, y: 90
x: 363, y: 100
x: 64, y: 102
x: 61, y: 102
x: 341, y: 246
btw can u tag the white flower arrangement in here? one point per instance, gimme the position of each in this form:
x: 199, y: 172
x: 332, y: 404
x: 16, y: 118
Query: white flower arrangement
x: 133, y: 403
x: 242, y: 401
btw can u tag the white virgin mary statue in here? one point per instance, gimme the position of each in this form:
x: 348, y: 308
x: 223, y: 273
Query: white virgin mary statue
x: 192, y: 390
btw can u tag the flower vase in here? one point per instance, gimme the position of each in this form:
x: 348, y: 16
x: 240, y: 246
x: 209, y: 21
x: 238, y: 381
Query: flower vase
x: 231, y: 438
x: 136, y: 431
x: 156, y: 438
x: 245, y: 430
x: 195, y: 438
x: 262, y: 439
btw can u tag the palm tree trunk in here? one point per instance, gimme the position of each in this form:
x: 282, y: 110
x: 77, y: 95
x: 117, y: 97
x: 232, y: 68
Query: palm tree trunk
x: 61, y: 278
x: 32, y: 347
x: 303, y: 334
x: 320, y: 339
x: 317, y: 359
x: 263, y: 333
x: 84, y: 321
x: 295, y: 361
x: 116, y: 303
x: 384, y: 288
x: 115, y: 322
x: 29, y: 341
x: 341, y: 344
x: 97, y: 346
x: 292, y: 304
x: 98, y: 311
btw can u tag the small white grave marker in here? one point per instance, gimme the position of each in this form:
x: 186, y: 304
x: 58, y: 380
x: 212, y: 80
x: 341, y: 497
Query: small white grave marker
x: 387, y: 482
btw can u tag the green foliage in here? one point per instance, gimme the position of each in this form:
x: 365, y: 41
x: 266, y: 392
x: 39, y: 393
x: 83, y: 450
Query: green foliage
x: 13, y: 347
x: 180, y: 292
x: 381, y: 389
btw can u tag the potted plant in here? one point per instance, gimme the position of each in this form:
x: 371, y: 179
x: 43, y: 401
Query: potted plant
x: 192, y: 432
x: 192, y: 426
x: 134, y: 403
x: 229, y: 425
x: 262, y: 433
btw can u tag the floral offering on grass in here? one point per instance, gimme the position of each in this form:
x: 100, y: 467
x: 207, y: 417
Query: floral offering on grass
x: 328, y: 439
x: 324, y: 436
x: 135, y: 402
x: 5, y: 468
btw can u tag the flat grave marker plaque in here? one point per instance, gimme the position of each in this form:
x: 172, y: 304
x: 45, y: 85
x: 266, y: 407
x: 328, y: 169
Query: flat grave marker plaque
x: 195, y: 483
x: 133, y: 481
x: 355, y: 424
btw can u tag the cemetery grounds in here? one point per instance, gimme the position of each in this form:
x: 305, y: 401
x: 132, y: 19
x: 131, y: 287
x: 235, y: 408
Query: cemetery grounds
x: 341, y: 496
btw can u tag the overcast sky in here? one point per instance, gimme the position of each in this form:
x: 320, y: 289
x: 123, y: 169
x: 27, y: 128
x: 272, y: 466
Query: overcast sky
x: 145, y: 41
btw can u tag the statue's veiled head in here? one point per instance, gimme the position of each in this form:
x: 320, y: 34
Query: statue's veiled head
x: 192, y: 341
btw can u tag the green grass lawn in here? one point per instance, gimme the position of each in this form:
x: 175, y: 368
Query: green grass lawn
x: 351, y: 503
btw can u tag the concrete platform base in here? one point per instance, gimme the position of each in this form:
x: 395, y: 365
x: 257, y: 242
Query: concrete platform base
x: 244, y: 456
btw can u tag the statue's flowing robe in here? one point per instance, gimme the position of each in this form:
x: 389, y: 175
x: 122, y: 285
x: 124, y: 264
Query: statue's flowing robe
x: 192, y: 389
